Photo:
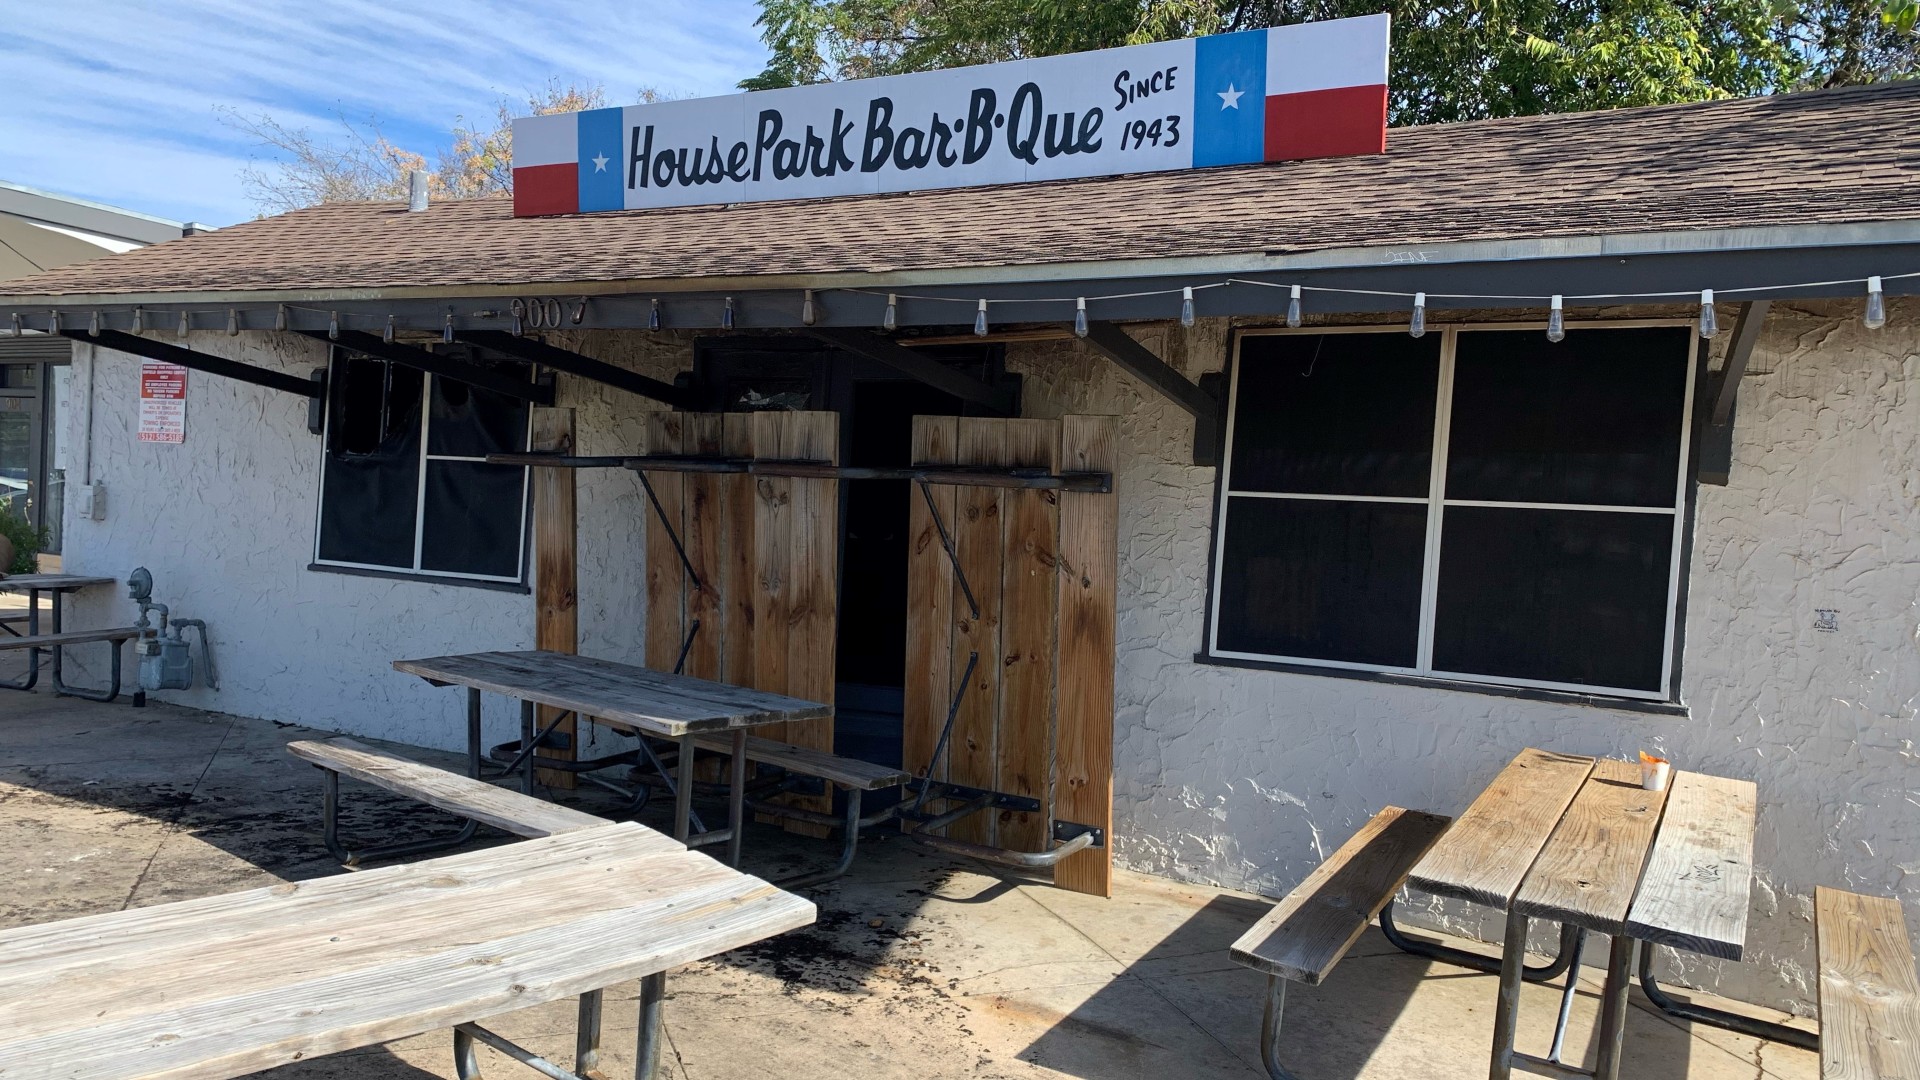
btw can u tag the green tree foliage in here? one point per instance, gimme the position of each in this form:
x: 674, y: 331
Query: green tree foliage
x: 1452, y: 59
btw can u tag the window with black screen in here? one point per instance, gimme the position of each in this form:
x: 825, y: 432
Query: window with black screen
x: 1476, y: 504
x: 404, y: 484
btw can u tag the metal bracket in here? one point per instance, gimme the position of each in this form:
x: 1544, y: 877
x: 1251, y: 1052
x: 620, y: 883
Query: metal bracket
x: 672, y: 533
x: 1064, y: 831
x: 946, y: 732
x: 953, y: 556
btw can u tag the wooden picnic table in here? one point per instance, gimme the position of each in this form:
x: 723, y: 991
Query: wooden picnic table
x: 636, y: 700
x: 229, y: 985
x: 1577, y: 841
x: 56, y: 586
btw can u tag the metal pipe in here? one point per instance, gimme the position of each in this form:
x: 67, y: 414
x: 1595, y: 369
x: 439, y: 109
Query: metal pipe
x: 1720, y: 1018
x: 1566, y: 998
x: 953, y: 556
x: 586, y: 1034
x: 1032, y: 860
x: 848, y: 844
x: 1446, y: 954
x: 464, y: 1050
x: 946, y: 731
x: 646, y: 1058
x: 941, y: 821
x: 1270, y: 1019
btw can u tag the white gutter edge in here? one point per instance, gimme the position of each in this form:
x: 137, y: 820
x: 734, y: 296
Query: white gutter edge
x: 1622, y: 245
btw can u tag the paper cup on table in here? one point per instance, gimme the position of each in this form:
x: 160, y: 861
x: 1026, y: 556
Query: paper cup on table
x: 1654, y: 773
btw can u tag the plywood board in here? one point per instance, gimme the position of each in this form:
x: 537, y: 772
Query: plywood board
x: 1869, y: 995
x: 1486, y: 854
x: 1589, y: 870
x: 1695, y: 892
x: 1088, y: 583
x: 556, y: 583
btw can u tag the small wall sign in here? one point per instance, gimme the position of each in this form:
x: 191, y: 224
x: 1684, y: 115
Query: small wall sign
x: 163, y: 402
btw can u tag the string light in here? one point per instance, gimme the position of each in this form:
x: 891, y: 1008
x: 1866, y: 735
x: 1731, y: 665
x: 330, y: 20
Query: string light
x: 233, y: 322
x: 186, y: 321
x: 1079, y: 318
x: 1293, y: 308
x: 333, y: 326
x: 980, y: 320
x: 446, y: 332
x: 519, y: 316
x: 93, y: 324
x: 1709, y: 325
x: 1186, y: 307
x: 280, y: 318
x: 386, y: 332
x: 1876, y: 316
x: 726, y: 315
x: 53, y: 321
x: 1556, y: 322
x: 139, y: 321
x: 579, y: 313
x: 18, y: 331
x: 806, y: 310
x: 653, y: 316
x: 890, y: 318
x: 1418, y: 327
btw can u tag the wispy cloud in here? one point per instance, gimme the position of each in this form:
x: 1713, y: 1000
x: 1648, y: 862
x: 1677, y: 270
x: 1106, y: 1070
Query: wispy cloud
x: 120, y: 102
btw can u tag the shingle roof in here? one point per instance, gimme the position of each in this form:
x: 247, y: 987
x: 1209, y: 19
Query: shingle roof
x: 1826, y: 157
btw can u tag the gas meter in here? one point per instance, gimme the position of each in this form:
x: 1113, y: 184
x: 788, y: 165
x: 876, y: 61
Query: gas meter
x: 165, y: 656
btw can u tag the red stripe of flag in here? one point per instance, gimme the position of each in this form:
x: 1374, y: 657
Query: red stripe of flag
x: 546, y: 189
x: 1327, y: 123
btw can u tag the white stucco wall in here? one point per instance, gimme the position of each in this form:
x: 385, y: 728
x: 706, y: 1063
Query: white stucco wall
x: 1223, y: 775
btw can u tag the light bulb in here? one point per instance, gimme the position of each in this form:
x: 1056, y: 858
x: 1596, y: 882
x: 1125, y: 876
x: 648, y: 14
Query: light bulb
x: 1556, y: 322
x: 653, y: 315
x: 53, y: 321
x: 1709, y: 325
x: 726, y: 315
x: 890, y: 318
x: 1293, y: 307
x: 139, y: 321
x: 579, y: 313
x: 1876, y: 316
x: 233, y: 322
x: 1079, y: 318
x: 519, y: 316
x: 1186, y: 306
x: 1418, y: 327
x: 185, y: 323
x: 93, y: 324
x: 333, y: 326
x: 446, y: 332
x: 18, y: 330
x: 980, y: 320
x: 806, y: 309
x: 386, y: 332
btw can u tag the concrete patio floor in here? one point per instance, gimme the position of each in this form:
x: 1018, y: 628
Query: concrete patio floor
x: 920, y: 966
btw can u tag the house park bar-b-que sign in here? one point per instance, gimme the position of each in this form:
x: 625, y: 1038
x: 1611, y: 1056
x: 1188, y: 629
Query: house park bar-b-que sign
x: 1309, y: 90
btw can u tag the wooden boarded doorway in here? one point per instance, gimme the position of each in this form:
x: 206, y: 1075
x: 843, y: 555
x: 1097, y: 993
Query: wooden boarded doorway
x: 1036, y: 718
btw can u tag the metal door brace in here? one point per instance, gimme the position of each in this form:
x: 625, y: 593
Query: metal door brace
x: 953, y: 709
x: 946, y: 541
x: 672, y: 533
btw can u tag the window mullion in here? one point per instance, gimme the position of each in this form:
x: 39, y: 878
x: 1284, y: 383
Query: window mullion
x: 1436, y: 499
x: 420, y: 492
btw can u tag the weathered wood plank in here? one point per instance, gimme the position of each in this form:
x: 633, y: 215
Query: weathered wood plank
x: 739, y: 585
x: 705, y: 537
x: 813, y: 597
x: 70, y: 637
x: 1869, y: 994
x: 1029, y: 650
x: 1589, y: 870
x: 930, y: 594
x: 848, y: 772
x: 979, y: 536
x: 618, y: 695
x: 51, y: 582
x: 510, y: 811
x: 1486, y: 854
x: 1695, y: 892
x: 556, y: 584
x: 1088, y: 612
x: 1309, y: 930
x: 222, y: 1012
x: 666, y: 577
x: 772, y: 565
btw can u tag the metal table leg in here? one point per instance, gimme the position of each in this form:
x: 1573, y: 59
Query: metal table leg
x: 1270, y: 1028
x: 737, y: 796
x: 586, y: 1038
x: 330, y: 811
x: 646, y: 1058
x: 1506, y: 1014
x: 527, y: 732
x: 32, y: 677
x: 1720, y: 1018
x: 683, y: 790
x: 1613, y: 1007
x: 1462, y: 958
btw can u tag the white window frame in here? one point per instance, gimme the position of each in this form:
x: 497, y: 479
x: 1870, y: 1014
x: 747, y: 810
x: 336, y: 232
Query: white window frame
x: 1436, y: 502
x: 420, y: 498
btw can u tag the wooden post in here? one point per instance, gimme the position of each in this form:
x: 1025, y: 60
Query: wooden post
x: 555, y: 578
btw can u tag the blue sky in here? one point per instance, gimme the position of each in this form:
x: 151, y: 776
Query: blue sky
x: 118, y: 102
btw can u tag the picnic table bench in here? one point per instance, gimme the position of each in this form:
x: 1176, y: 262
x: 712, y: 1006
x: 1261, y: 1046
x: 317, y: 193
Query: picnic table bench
x: 229, y: 985
x: 34, y: 642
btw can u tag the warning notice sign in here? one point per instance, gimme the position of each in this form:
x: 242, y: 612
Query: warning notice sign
x: 163, y: 402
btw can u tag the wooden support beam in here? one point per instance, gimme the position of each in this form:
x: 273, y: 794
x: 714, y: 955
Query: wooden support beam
x: 119, y: 341
x: 1137, y: 360
x: 556, y: 580
x: 926, y: 370
x: 585, y: 367
x: 1716, y: 438
x: 445, y: 367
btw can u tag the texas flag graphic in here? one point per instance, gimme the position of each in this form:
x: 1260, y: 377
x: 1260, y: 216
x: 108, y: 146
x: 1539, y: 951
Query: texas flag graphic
x: 1309, y: 90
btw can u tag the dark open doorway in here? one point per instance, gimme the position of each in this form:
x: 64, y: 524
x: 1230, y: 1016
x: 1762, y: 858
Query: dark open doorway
x: 876, y: 405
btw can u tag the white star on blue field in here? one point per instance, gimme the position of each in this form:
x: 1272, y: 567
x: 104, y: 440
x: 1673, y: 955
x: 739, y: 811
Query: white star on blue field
x: 118, y: 101
x: 1230, y: 98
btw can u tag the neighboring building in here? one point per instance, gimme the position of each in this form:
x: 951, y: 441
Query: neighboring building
x: 40, y: 231
x: 1634, y: 556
